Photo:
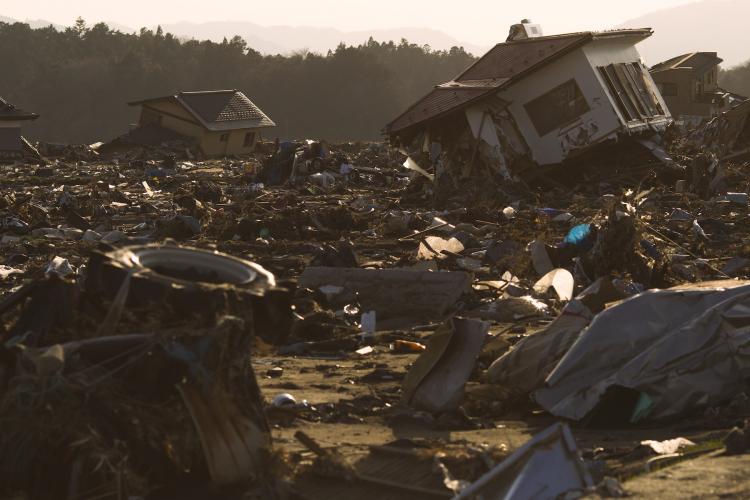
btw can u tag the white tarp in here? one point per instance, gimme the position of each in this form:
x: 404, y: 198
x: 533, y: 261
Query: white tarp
x: 525, y: 366
x: 683, y: 348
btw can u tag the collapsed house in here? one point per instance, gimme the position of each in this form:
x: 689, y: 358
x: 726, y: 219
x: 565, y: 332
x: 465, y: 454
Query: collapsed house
x: 215, y: 123
x: 534, y: 100
x: 12, y: 143
x: 690, y: 87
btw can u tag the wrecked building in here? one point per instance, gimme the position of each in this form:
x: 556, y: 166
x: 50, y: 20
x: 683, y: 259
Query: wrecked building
x: 535, y: 100
x: 12, y: 143
x: 727, y: 134
x: 690, y: 87
x: 220, y: 122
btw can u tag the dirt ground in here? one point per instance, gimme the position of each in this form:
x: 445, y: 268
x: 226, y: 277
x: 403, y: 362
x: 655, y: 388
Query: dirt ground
x: 322, y: 381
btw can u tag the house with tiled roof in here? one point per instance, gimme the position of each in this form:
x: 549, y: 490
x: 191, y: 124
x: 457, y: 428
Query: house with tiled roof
x: 690, y: 86
x: 12, y: 143
x: 219, y: 122
x: 536, y: 99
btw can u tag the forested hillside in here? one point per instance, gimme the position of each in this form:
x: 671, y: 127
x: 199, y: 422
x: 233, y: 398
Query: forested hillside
x: 80, y: 79
x: 736, y: 79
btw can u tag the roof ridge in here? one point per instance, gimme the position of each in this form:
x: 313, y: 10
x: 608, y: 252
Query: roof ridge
x: 198, y: 92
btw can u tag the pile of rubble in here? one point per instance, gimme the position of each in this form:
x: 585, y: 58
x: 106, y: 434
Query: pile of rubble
x: 306, y: 324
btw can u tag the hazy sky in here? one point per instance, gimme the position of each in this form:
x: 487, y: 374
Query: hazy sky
x: 478, y: 21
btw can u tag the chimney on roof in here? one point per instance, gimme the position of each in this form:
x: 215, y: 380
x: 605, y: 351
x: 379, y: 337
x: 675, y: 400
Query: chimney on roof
x: 523, y: 30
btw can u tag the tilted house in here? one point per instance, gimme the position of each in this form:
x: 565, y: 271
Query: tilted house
x: 221, y: 122
x: 538, y: 100
x: 690, y: 86
x: 12, y: 143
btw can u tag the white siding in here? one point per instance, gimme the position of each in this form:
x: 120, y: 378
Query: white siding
x: 600, y: 122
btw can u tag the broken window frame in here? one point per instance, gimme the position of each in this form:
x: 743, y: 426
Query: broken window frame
x: 631, y: 92
x: 557, y: 108
x: 648, y: 102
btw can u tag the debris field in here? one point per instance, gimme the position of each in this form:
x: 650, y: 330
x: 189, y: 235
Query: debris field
x: 320, y: 321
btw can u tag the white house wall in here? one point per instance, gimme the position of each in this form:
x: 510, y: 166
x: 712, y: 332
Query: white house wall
x: 599, y: 123
x: 603, y: 52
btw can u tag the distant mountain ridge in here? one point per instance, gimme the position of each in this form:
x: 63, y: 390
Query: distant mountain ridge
x: 286, y: 39
x: 707, y: 25
x: 42, y: 23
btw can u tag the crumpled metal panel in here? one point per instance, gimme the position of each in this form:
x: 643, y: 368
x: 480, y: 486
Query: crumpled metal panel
x: 437, y: 378
x: 544, y: 468
x: 525, y: 367
x: 681, y: 348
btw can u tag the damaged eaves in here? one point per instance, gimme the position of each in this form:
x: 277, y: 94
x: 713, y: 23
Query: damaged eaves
x: 13, y: 145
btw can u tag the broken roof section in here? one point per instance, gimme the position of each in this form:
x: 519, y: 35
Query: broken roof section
x: 218, y: 110
x: 698, y: 61
x: 504, y: 64
x: 8, y: 112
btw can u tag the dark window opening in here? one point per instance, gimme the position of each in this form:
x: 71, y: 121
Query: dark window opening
x: 249, y: 139
x: 632, y: 92
x: 559, y: 107
x: 224, y: 137
x: 669, y: 89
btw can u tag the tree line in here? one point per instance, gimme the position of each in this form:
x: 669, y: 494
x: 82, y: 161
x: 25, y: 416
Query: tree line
x: 736, y: 79
x: 79, y: 80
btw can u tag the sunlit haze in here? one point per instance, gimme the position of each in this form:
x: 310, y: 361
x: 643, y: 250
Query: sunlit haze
x: 480, y: 22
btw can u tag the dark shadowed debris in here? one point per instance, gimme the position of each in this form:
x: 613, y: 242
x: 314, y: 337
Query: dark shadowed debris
x: 92, y: 400
x: 178, y: 226
x: 151, y: 137
x: 190, y: 281
x: 400, y: 297
x: 728, y: 134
